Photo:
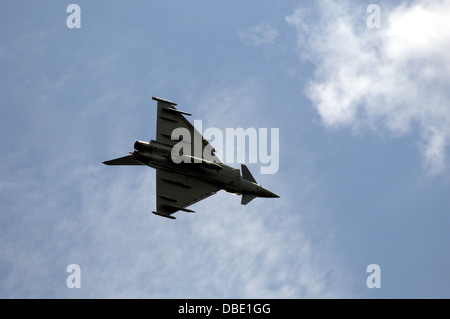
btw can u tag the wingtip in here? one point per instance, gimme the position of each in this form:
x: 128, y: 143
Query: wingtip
x: 155, y: 98
x: 163, y: 215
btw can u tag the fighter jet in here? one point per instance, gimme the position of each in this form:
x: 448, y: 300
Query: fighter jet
x: 183, y: 177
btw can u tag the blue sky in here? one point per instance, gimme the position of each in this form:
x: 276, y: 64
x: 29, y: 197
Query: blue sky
x: 363, y: 116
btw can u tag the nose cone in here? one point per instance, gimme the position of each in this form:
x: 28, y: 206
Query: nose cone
x: 255, y: 189
x: 264, y: 192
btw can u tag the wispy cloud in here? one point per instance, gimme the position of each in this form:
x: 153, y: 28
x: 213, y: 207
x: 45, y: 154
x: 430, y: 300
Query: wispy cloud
x: 261, y: 34
x: 104, y: 225
x: 72, y: 209
x: 392, y: 79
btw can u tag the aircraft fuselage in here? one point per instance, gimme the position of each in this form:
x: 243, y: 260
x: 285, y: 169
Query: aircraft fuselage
x: 225, y: 177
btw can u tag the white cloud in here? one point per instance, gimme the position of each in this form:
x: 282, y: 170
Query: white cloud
x: 392, y: 79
